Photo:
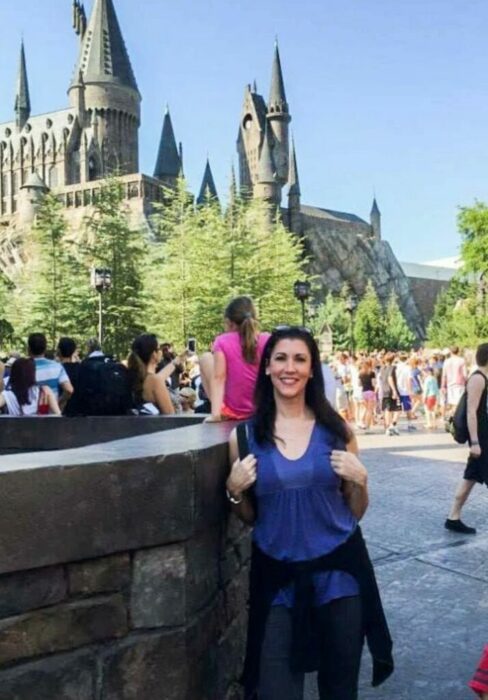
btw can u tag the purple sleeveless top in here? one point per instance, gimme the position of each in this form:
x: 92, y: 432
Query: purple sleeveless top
x: 302, y: 513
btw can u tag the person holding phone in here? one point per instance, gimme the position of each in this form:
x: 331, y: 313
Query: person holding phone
x: 229, y: 372
x: 313, y: 594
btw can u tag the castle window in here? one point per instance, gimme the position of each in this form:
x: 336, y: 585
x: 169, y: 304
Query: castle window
x: 53, y: 176
x: 247, y: 122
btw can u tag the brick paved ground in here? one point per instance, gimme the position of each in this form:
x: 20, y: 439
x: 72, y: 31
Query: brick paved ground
x: 434, y: 583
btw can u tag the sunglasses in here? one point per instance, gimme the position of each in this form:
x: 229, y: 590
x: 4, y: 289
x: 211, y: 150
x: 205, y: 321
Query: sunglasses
x: 285, y: 329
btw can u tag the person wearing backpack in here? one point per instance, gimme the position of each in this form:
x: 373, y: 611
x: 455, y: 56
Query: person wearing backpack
x: 477, y: 429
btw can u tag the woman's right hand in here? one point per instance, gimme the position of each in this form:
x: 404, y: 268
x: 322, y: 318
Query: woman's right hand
x: 242, y: 476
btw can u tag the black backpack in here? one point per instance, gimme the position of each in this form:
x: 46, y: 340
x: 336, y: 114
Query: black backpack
x: 457, y: 425
x: 103, y: 388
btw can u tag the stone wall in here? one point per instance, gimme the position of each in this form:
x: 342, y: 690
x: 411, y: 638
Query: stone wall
x: 342, y: 251
x: 425, y: 292
x: 121, y: 577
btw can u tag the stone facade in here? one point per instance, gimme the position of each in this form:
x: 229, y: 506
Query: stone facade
x: 70, y: 150
x: 135, y: 586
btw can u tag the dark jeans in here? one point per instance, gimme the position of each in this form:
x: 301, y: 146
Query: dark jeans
x: 340, y: 653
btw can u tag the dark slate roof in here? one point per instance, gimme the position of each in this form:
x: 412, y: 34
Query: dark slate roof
x: 35, y: 182
x: 168, y: 162
x: 266, y: 169
x: 103, y: 54
x: 22, y: 97
x: 320, y: 213
x: 261, y: 109
x: 375, y: 208
x: 293, y: 176
x: 208, y: 189
x: 277, y: 96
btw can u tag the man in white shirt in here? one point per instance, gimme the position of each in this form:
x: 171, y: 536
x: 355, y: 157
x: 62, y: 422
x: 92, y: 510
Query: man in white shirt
x: 403, y: 375
x: 454, y: 377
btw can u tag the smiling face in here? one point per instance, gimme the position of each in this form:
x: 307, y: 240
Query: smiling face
x: 290, y: 367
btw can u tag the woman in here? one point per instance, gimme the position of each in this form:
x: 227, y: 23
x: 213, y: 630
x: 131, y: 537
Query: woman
x: 149, y: 389
x: 229, y: 372
x: 310, y: 491
x: 23, y: 397
x: 367, y: 380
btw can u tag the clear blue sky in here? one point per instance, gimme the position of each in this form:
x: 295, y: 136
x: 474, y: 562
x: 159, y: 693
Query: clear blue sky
x: 386, y: 96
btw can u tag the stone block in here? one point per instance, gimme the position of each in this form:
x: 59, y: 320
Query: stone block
x: 28, y: 590
x: 158, y: 595
x: 146, y: 667
x: 202, y: 570
x: 64, y: 677
x: 62, y: 627
x: 99, y: 575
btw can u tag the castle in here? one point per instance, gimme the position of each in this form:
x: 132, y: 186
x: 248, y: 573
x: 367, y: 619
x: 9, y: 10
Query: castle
x: 71, y: 150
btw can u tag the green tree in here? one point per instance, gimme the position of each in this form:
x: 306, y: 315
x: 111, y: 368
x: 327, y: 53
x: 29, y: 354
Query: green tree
x: 333, y: 313
x: 398, y: 335
x: 458, y: 318
x: 473, y: 227
x: 369, y: 322
x: 111, y: 242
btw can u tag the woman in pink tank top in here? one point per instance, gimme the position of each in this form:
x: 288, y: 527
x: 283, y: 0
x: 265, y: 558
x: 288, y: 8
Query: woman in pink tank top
x: 229, y: 372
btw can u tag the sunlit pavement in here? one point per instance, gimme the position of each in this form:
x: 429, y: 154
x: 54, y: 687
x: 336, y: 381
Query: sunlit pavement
x: 434, y: 583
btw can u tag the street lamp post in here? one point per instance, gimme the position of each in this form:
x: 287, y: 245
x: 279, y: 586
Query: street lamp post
x: 351, y: 304
x: 101, y: 280
x: 302, y: 293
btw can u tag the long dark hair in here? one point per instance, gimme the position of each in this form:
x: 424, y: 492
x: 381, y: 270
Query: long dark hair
x: 141, y: 352
x: 265, y: 407
x: 22, y: 378
x: 242, y: 313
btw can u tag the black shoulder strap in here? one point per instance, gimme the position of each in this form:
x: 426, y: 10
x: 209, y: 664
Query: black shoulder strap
x: 242, y: 441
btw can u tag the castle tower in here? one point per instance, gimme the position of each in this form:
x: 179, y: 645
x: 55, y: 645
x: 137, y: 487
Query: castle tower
x: 22, y: 97
x: 29, y: 199
x: 279, y: 118
x: 208, y: 189
x: 267, y: 187
x: 375, y: 219
x: 111, y: 99
x: 294, y: 212
x: 250, y: 138
x: 168, y: 163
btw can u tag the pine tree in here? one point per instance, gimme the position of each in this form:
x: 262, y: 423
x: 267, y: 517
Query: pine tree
x: 369, y: 322
x: 332, y: 312
x: 398, y: 335
x: 110, y: 242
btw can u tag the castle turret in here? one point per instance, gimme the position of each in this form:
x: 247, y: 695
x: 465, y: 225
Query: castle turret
x: 267, y: 187
x: 375, y: 218
x: 294, y: 212
x: 29, y: 199
x: 279, y: 117
x: 22, y: 98
x: 111, y: 92
x: 208, y: 191
x: 168, y: 163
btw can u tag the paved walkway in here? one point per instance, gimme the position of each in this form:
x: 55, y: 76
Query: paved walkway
x: 434, y: 583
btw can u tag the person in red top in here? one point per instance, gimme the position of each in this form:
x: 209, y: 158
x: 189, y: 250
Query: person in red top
x: 229, y: 372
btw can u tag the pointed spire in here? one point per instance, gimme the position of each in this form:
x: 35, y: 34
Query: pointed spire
x: 168, y: 163
x: 103, y: 55
x: 208, y: 189
x: 293, y: 175
x: 22, y: 98
x: 266, y: 168
x: 375, y: 209
x: 277, y: 97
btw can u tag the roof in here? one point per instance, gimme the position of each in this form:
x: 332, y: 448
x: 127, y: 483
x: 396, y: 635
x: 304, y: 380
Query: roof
x: 22, y: 97
x: 375, y: 208
x: 266, y: 168
x: 320, y: 213
x: 293, y: 176
x: 428, y: 271
x: 34, y: 181
x: 277, y: 96
x: 454, y: 263
x: 168, y: 162
x: 208, y: 189
x: 103, y: 55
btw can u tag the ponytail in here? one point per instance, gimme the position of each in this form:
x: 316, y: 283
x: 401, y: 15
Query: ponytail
x: 137, y: 375
x: 242, y: 313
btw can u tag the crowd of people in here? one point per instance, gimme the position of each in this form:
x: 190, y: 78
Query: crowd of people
x: 295, y: 471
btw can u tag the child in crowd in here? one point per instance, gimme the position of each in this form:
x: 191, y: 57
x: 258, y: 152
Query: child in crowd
x: 431, y: 397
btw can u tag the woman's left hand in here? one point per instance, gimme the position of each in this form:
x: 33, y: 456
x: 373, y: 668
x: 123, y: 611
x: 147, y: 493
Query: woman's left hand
x: 348, y: 467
